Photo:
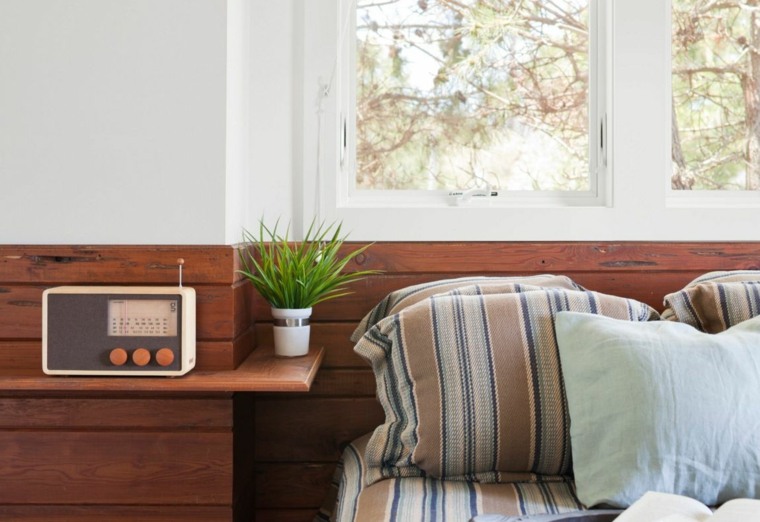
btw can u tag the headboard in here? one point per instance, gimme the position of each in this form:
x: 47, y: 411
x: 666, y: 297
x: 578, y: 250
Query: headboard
x: 301, y: 437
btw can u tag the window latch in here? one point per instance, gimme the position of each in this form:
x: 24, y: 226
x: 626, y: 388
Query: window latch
x: 603, y: 141
x: 465, y: 197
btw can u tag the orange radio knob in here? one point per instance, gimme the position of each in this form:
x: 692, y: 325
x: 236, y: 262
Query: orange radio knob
x: 141, y: 357
x: 118, y: 356
x: 164, y: 357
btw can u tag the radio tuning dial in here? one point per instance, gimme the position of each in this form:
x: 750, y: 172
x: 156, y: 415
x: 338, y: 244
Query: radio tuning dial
x: 164, y: 357
x: 118, y: 356
x: 141, y: 357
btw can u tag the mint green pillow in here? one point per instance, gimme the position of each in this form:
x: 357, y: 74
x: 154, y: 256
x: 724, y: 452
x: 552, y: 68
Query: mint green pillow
x: 660, y: 406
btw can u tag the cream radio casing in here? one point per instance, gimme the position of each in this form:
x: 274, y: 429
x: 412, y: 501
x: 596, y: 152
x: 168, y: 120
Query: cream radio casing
x: 114, y: 330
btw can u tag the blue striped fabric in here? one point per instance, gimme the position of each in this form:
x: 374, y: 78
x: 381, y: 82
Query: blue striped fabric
x: 399, y: 299
x: 716, y: 301
x: 432, y: 500
x: 472, y: 388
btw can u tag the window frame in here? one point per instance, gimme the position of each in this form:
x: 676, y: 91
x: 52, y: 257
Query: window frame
x: 638, y: 201
x: 350, y: 197
x: 703, y: 199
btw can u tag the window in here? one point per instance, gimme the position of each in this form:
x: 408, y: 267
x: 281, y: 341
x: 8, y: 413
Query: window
x: 716, y: 95
x: 455, y: 95
x: 633, y: 94
x: 451, y: 96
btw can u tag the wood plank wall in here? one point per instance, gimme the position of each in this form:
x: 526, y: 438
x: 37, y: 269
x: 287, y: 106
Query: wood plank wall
x: 299, y: 438
x: 224, y: 323
x: 111, y: 456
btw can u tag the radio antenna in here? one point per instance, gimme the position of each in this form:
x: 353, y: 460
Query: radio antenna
x: 180, y: 262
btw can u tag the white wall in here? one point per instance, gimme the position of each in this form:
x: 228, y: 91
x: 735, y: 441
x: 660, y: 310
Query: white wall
x: 183, y: 121
x: 238, y: 117
x: 113, y: 122
x: 274, y: 112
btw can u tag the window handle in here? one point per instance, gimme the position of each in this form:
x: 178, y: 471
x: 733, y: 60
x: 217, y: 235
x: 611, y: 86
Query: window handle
x: 343, y: 139
x: 464, y: 197
x: 603, y: 142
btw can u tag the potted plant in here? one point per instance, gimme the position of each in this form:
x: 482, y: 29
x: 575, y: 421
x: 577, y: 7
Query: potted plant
x: 293, y: 276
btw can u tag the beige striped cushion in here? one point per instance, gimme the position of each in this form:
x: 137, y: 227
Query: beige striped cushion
x: 399, y: 299
x: 716, y: 301
x: 417, y: 498
x: 471, y: 385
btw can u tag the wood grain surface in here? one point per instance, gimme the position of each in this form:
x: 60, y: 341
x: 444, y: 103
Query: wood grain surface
x: 341, y: 404
x: 138, y: 468
x: 296, y: 438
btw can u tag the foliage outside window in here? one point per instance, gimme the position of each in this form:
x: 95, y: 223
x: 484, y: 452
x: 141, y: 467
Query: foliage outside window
x: 716, y: 95
x: 472, y: 93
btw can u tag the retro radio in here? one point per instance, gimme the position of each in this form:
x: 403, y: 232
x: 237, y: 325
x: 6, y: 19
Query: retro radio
x: 118, y: 330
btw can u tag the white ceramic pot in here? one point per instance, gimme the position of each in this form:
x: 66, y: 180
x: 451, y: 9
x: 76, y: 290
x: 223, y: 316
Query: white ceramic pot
x: 291, y: 331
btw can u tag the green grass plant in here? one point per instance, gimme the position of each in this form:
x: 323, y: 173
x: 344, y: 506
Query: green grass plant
x: 299, y: 274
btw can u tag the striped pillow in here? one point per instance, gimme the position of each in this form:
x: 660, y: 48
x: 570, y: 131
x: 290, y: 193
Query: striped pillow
x: 716, y: 301
x: 399, y: 299
x: 471, y: 385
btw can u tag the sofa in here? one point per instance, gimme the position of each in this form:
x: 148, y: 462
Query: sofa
x: 516, y: 398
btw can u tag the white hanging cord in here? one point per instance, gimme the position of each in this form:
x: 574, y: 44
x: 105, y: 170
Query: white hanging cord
x: 324, y: 91
x: 348, y: 13
x: 318, y: 175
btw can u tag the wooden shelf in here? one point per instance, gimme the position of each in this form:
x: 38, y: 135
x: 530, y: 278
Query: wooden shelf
x: 260, y: 372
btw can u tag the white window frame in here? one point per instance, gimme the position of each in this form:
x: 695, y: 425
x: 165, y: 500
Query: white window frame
x: 638, y: 203
x: 696, y: 199
x: 350, y: 197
